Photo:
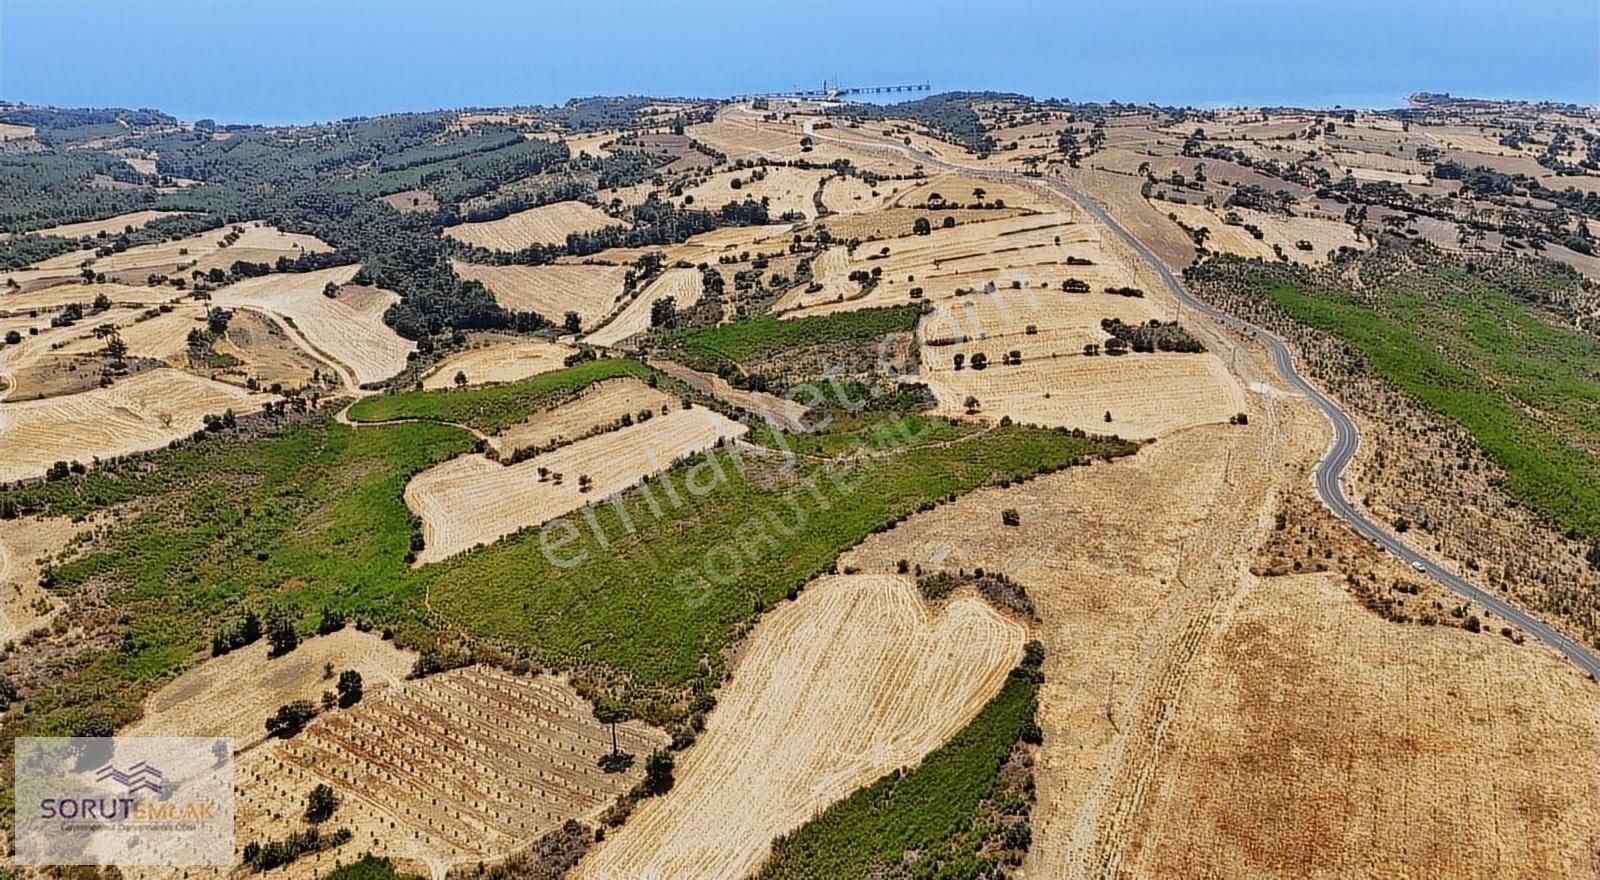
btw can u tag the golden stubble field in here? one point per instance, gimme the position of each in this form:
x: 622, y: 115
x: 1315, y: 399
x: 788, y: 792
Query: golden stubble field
x: 141, y: 412
x: 494, y: 358
x: 546, y: 224
x: 855, y: 678
x: 473, y: 500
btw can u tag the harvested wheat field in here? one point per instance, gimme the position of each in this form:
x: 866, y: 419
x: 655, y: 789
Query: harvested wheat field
x: 141, y: 412
x: 494, y: 358
x: 208, y: 701
x: 25, y: 542
x: 58, y: 295
x: 854, y: 679
x: 600, y: 407
x: 13, y: 132
x: 462, y: 766
x: 1145, y: 394
x: 1321, y: 741
x: 546, y: 224
x: 109, y: 226
x: 471, y: 500
x: 203, y: 251
x: 784, y: 189
x: 590, y: 289
x: 682, y: 285
x: 347, y: 329
x: 742, y: 135
x: 781, y: 411
x: 162, y: 337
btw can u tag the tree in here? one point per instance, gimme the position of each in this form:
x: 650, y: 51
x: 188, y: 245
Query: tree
x: 461, y: 378
x: 1108, y: 416
x: 280, y: 630
x: 573, y: 323
x: 664, y: 312
x: 658, y: 772
x: 321, y: 803
x: 922, y: 227
x: 949, y: 223
x: 116, y: 349
x: 349, y: 688
x: 290, y: 719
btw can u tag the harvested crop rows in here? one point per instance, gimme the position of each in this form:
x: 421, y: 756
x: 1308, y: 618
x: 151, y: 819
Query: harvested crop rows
x: 682, y: 285
x: 853, y: 680
x: 471, y: 500
x: 598, y: 408
x: 591, y: 290
x: 208, y: 700
x: 143, y: 411
x: 498, y: 359
x: 546, y: 224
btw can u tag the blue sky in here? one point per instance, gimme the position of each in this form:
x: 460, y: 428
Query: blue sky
x: 300, y: 60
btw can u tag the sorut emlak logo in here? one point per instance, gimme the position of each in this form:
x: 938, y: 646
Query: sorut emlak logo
x: 124, y: 801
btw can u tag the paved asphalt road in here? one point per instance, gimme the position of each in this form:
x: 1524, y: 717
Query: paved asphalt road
x: 1346, y: 439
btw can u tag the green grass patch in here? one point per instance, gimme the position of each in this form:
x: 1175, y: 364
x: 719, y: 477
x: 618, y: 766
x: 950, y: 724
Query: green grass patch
x: 368, y: 868
x: 1529, y: 392
x: 751, y: 341
x: 933, y: 809
x: 493, y: 408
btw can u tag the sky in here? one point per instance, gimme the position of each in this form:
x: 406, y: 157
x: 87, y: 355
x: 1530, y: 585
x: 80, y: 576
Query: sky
x: 304, y: 60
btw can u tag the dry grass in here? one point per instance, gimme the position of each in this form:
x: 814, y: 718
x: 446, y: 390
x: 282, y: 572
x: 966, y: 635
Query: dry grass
x: 784, y: 189
x: 141, y: 412
x: 471, y: 500
x: 591, y: 290
x: 1321, y: 741
x: 682, y: 285
x: 851, y: 681
x: 54, y: 297
x: 498, y: 359
x: 12, y: 132
x: 346, y: 329
x: 267, y: 353
x: 207, y: 700
x: 1285, y: 232
x: 1147, y: 395
x: 24, y: 545
x: 546, y: 224
x: 598, y: 408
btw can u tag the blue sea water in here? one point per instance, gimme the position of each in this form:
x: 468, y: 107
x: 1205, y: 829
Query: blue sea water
x: 303, y: 60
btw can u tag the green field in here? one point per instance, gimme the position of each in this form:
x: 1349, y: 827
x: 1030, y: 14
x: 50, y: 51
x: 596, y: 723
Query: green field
x: 493, y: 408
x: 935, y: 810
x: 1528, y: 391
x: 748, y: 343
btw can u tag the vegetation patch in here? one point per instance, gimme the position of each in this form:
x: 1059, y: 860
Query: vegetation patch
x: 750, y: 346
x: 1528, y: 391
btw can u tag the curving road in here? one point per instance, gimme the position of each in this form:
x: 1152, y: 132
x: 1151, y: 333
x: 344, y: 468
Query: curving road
x: 1346, y: 438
